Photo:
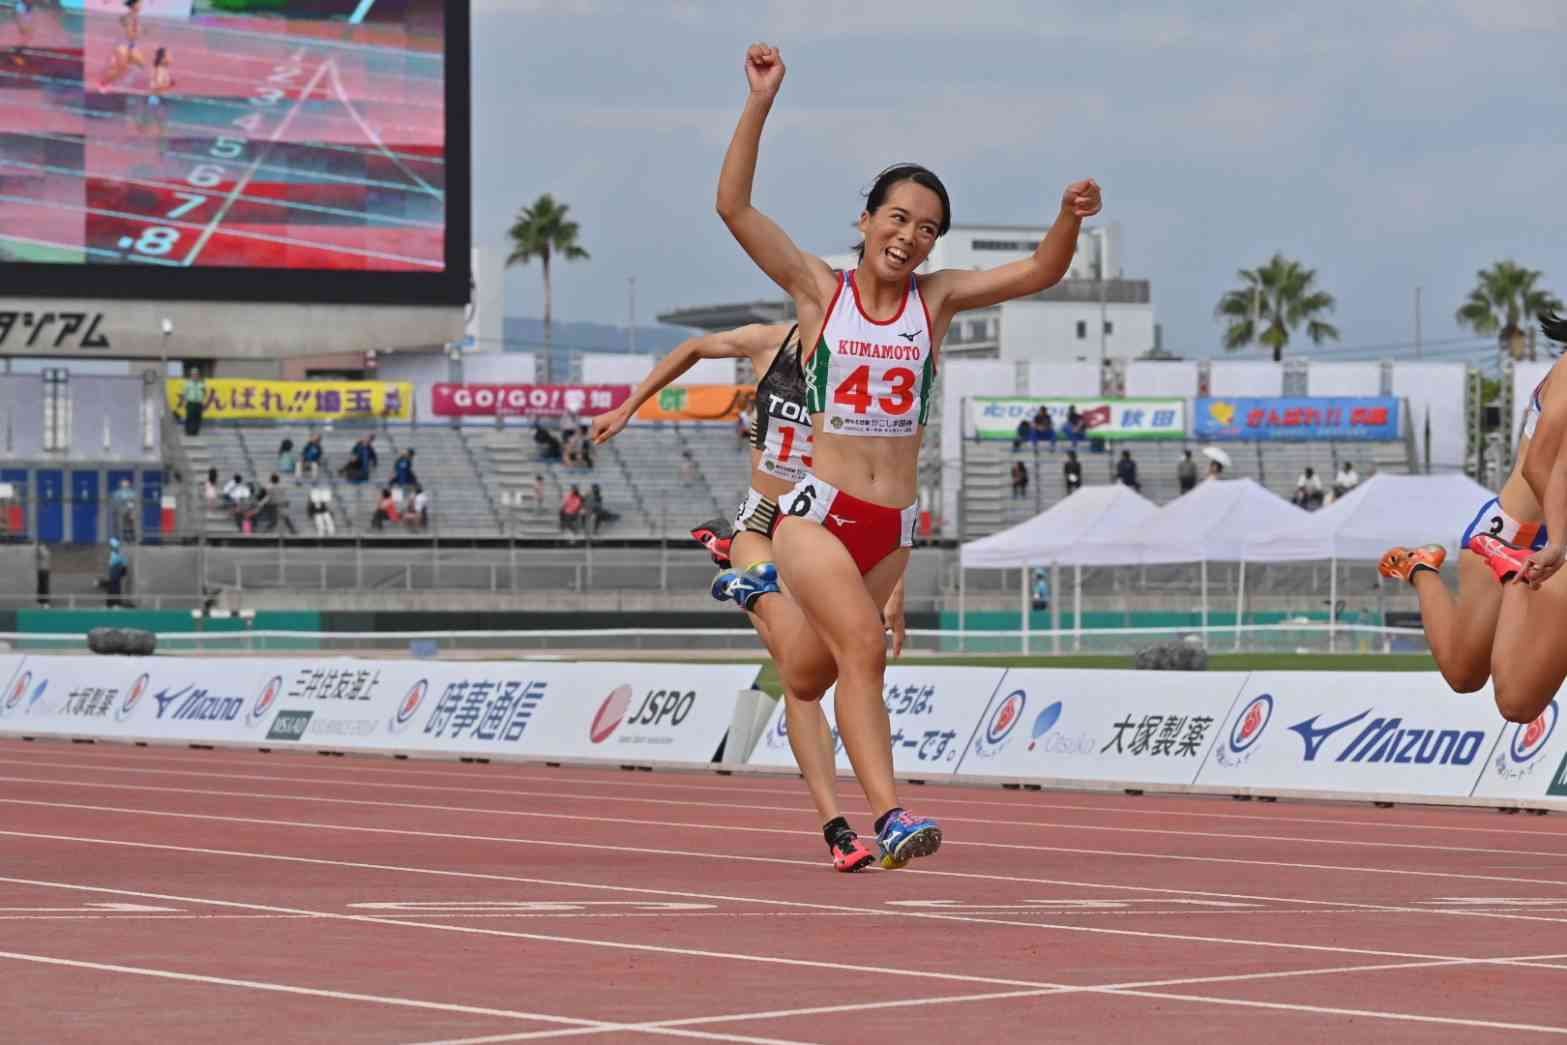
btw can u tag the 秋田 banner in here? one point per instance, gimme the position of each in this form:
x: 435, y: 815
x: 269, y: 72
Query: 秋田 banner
x: 997, y: 417
x: 238, y: 399
x: 448, y: 400
x: 698, y: 403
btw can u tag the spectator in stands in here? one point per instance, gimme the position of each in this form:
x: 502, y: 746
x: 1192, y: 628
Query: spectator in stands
x: 1073, y: 470
x: 1073, y: 429
x: 210, y: 492
x: 354, y: 470
x: 538, y: 489
x: 195, y: 401
x: 1126, y: 471
x: 421, y: 508
x: 688, y: 469
x: 1025, y: 434
x: 571, y: 510
x: 549, y: 446
x: 598, y: 515
x: 585, y: 449
x: 287, y: 464
x: 1186, y: 473
x: 276, y: 510
x: 403, y: 471
x: 386, y: 510
x: 41, y: 560
x: 1041, y: 599
x: 122, y: 509
x: 114, y: 578
x: 319, y: 508
x: 1346, y: 480
x: 1019, y: 479
x: 1308, y: 490
x: 1044, y: 428
x: 247, y: 515
x: 372, y: 459
x: 1215, y: 470
x: 235, y: 492
x: 570, y: 446
x: 313, y: 458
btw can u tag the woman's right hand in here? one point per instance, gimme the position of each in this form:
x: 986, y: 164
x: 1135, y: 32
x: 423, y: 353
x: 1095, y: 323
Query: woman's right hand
x: 764, y: 69
x: 608, y: 425
x: 1542, y: 564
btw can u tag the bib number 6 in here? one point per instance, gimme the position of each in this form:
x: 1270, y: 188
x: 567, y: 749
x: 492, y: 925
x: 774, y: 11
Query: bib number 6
x: 855, y: 391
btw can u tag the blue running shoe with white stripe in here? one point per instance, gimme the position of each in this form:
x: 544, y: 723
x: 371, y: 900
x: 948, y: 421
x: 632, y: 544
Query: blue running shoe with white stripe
x: 746, y: 586
x: 905, y: 836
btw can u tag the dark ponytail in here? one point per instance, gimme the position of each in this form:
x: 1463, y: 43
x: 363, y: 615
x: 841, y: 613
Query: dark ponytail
x: 902, y: 172
x: 1554, y: 326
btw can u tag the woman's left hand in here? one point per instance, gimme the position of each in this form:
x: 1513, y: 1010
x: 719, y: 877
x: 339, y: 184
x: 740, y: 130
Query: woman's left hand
x: 1082, y: 198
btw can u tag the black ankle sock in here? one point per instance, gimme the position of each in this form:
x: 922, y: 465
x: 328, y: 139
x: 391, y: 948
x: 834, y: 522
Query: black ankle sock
x: 835, y: 828
x: 881, y: 821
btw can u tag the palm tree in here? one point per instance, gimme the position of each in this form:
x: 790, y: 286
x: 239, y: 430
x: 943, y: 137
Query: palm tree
x: 1274, y: 300
x: 1504, y: 297
x: 542, y: 231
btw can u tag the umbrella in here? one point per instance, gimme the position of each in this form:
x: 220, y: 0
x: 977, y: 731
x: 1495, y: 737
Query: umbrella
x: 1213, y: 453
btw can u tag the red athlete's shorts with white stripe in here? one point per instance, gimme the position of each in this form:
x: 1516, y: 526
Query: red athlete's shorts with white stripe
x: 870, y: 532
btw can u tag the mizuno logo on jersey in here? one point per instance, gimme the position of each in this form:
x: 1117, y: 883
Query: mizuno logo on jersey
x: 910, y: 337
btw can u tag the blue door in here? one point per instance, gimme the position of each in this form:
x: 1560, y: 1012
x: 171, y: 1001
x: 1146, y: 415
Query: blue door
x: 85, y: 484
x: 20, y: 525
x: 51, y: 505
x: 152, y: 506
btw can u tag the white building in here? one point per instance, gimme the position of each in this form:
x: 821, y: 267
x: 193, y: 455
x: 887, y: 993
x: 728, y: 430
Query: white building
x: 1084, y: 318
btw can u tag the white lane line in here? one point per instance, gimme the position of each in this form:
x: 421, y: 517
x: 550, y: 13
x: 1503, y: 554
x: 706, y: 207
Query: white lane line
x: 692, y: 895
x: 370, y: 132
x: 255, y: 164
x: 474, y: 930
x: 748, y: 785
x: 257, y: 201
x: 801, y: 810
x: 977, y: 876
x: 237, y: 234
x: 313, y: 992
x: 666, y: 1027
x: 638, y: 822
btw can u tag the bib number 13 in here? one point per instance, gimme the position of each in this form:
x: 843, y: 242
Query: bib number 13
x: 855, y: 391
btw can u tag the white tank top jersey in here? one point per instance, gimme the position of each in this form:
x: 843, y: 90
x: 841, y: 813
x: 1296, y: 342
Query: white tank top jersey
x: 872, y: 378
x: 1531, y: 414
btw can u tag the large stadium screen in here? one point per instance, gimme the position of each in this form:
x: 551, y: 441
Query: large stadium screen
x: 242, y: 149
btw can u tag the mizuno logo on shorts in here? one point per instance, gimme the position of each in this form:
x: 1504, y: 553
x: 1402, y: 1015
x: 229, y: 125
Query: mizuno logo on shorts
x: 840, y: 520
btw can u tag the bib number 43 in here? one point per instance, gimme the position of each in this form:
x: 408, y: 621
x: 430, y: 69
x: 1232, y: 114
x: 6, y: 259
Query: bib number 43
x: 855, y: 391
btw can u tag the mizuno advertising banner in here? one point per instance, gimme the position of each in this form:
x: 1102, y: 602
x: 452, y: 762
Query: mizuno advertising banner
x: 560, y: 709
x: 1358, y: 732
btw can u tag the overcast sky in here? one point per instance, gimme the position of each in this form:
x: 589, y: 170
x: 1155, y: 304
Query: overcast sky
x: 1387, y: 144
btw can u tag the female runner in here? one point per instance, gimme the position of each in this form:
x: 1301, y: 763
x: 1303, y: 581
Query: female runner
x: 125, y: 54
x: 871, y: 338
x: 1527, y: 666
x: 24, y: 31
x: 780, y: 455
x: 1461, y: 631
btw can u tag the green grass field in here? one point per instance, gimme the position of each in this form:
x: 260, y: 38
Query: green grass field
x: 1217, y: 662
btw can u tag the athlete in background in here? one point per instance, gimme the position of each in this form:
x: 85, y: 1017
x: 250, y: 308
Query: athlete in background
x: 125, y: 54
x: 1528, y: 662
x: 781, y: 449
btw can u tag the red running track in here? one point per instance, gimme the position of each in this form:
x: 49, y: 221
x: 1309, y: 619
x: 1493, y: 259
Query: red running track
x: 178, y: 896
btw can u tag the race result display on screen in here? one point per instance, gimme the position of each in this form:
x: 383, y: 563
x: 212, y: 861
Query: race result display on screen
x: 291, y: 136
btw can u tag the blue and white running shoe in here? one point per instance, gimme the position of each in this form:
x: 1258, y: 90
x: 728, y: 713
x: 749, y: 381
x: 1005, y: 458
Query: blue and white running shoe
x: 905, y: 836
x: 746, y: 586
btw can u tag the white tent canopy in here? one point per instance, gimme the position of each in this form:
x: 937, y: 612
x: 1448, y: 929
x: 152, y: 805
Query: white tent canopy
x: 1382, y: 512
x: 1097, y: 526
x: 1211, y: 522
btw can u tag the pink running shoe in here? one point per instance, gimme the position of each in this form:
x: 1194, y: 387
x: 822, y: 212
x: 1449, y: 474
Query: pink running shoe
x: 849, y: 854
x: 1506, y: 561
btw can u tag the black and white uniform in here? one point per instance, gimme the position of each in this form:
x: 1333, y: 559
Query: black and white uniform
x: 782, y: 432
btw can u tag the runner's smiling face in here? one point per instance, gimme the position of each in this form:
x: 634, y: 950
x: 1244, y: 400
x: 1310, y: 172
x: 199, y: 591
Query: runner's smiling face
x: 900, y: 234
